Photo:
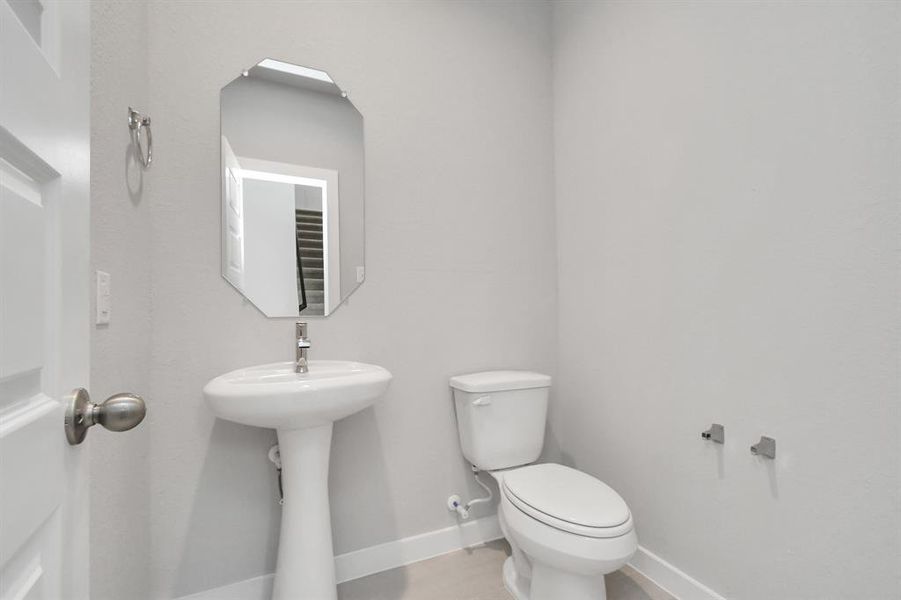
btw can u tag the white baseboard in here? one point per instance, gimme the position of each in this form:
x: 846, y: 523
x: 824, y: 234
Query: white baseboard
x: 677, y: 583
x: 374, y: 559
x: 257, y: 588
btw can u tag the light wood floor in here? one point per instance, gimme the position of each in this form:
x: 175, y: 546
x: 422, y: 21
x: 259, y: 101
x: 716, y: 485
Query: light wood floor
x: 474, y: 574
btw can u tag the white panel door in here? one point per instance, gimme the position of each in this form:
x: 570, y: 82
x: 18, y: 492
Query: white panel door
x: 232, y: 217
x: 44, y: 304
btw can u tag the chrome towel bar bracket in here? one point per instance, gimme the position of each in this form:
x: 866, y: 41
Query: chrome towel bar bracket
x: 716, y: 433
x: 766, y: 447
x: 138, y: 123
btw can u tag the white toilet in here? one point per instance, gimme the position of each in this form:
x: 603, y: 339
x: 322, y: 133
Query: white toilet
x: 566, y: 528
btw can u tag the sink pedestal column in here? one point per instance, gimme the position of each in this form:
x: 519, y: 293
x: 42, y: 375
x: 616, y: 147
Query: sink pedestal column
x: 306, y: 561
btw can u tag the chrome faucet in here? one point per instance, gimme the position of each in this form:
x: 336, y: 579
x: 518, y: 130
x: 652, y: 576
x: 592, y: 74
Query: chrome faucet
x: 303, y: 345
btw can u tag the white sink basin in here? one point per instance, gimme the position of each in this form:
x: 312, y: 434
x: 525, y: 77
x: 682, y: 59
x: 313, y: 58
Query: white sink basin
x: 275, y: 396
x: 302, y: 408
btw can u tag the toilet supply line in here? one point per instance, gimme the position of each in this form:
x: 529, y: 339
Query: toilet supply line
x: 455, y: 503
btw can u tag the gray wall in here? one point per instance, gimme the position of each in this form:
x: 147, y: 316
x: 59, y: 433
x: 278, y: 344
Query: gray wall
x: 459, y: 254
x: 727, y: 191
x: 120, y: 352
x: 307, y: 197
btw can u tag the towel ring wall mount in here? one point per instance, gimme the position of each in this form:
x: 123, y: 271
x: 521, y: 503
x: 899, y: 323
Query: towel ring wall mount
x: 138, y: 123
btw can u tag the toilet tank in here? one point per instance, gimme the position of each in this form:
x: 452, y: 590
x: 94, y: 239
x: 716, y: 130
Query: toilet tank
x: 501, y: 417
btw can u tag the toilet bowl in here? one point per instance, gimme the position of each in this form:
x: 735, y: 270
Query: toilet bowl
x: 566, y: 529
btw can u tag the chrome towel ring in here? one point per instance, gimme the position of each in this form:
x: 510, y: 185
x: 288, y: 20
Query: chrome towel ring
x: 138, y: 122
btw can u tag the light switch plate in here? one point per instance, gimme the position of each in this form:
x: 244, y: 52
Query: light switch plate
x: 103, y: 298
x: 361, y: 274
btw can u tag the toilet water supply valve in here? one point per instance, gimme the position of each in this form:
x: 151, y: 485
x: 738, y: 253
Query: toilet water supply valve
x: 455, y: 503
x: 276, y: 459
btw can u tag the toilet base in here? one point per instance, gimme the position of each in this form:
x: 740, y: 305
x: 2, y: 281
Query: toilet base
x: 516, y: 585
x: 553, y: 584
x: 549, y: 583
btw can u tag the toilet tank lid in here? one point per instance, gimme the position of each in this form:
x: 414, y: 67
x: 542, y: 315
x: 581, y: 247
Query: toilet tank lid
x: 500, y: 381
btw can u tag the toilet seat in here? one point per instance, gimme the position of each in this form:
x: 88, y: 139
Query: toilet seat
x: 568, y: 500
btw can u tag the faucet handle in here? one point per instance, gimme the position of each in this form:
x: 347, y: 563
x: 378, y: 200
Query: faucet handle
x: 301, y: 329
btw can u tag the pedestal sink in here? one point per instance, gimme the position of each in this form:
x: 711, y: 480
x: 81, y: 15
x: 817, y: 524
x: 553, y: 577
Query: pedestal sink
x: 302, y: 409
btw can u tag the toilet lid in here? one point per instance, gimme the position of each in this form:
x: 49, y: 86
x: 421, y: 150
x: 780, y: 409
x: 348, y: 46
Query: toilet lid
x: 566, y: 496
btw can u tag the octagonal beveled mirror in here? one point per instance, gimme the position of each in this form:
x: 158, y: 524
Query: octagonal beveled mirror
x: 293, y: 189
